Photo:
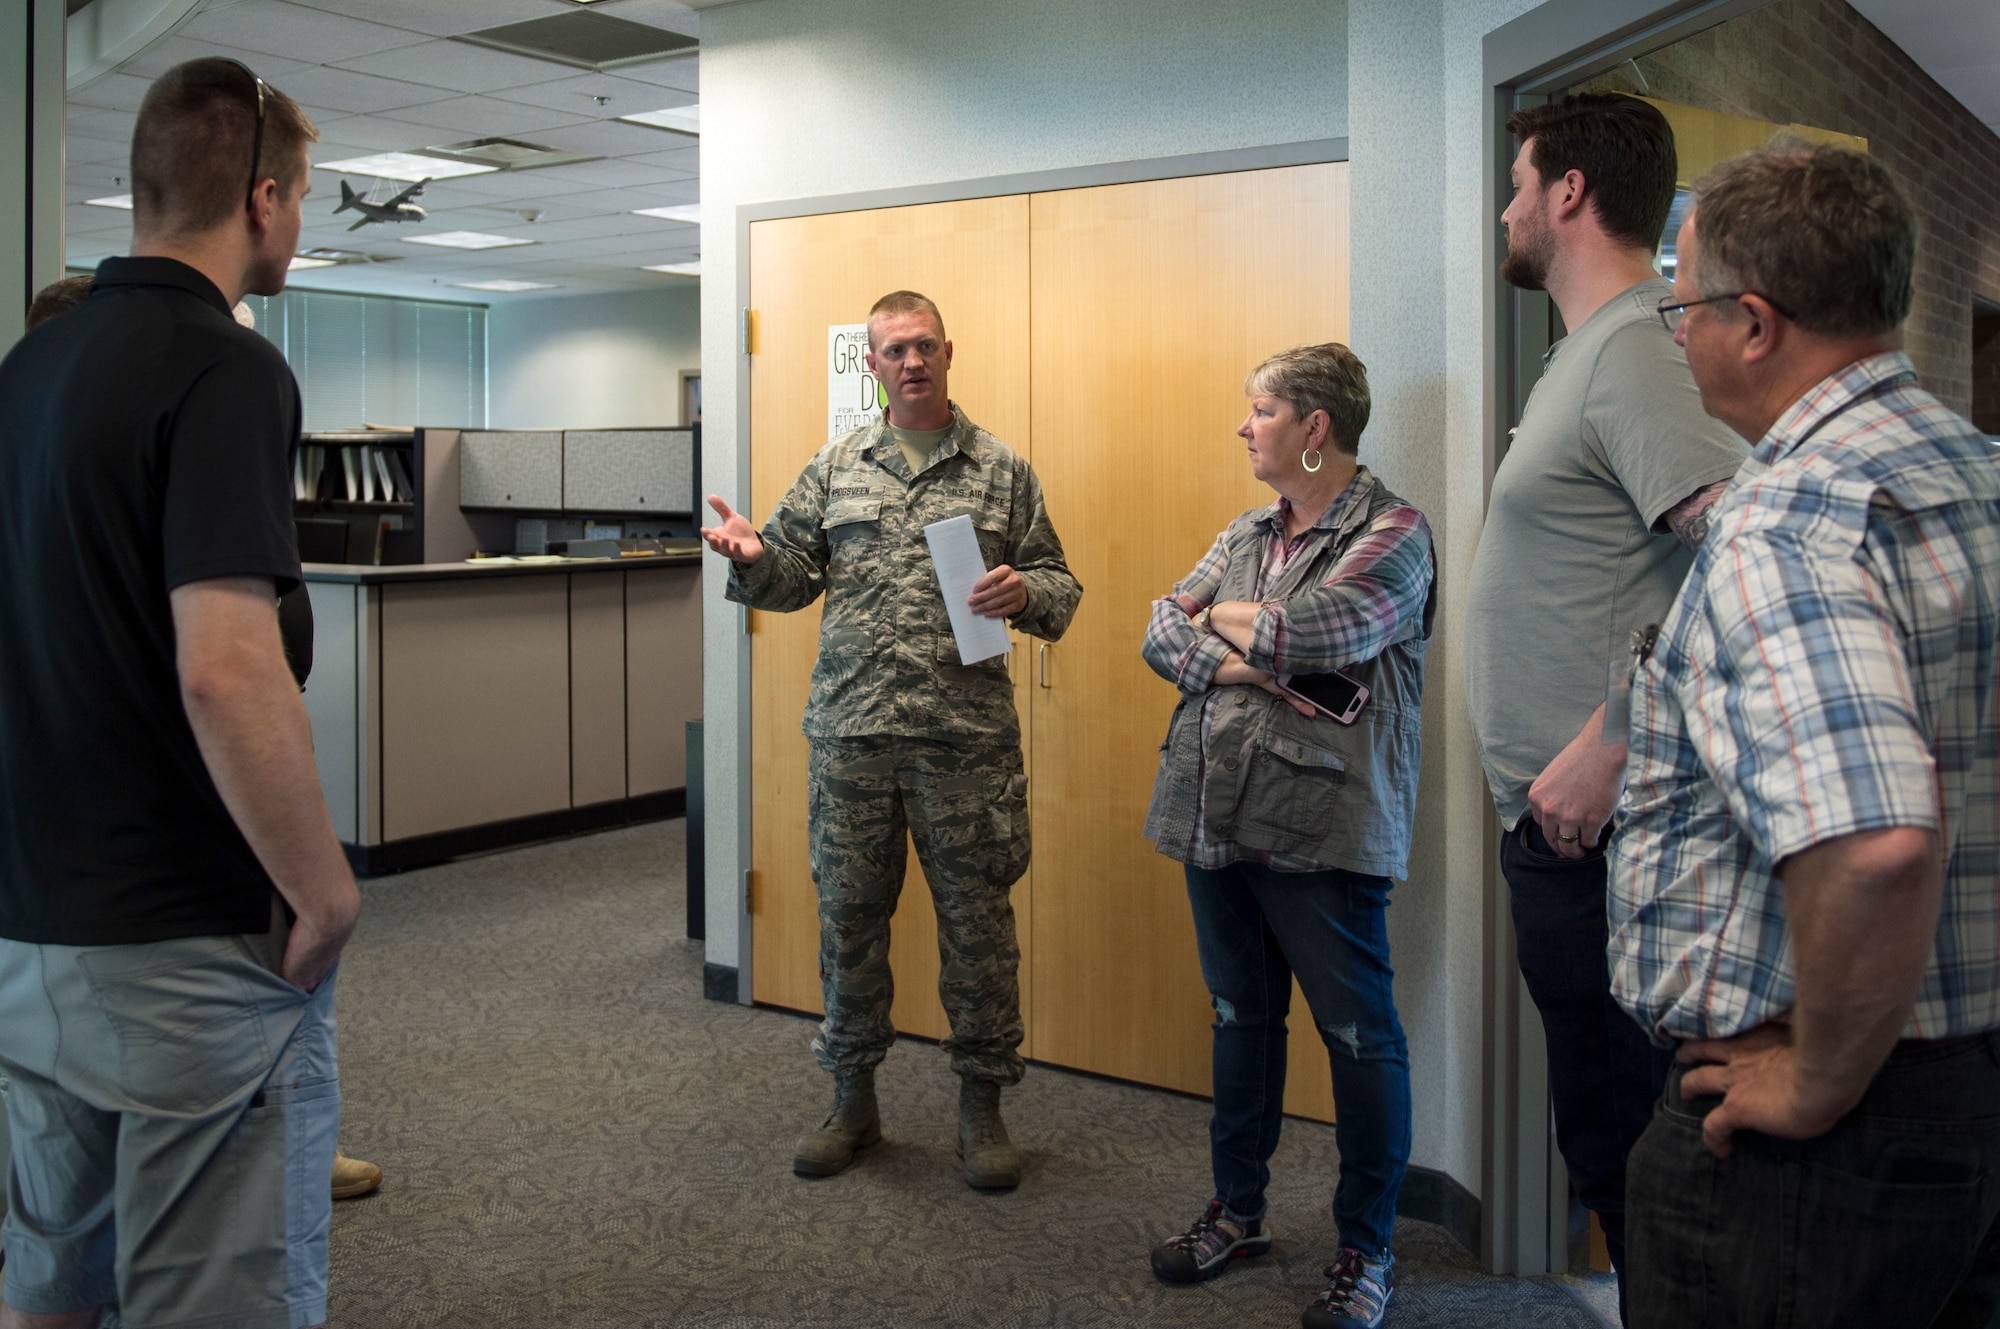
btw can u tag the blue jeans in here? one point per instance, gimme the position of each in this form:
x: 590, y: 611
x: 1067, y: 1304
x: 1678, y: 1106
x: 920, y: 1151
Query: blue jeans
x: 1255, y: 929
x: 1605, y: 1075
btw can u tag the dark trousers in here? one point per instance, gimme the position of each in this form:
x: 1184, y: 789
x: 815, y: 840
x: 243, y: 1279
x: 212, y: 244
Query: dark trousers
x: 1605, y: 1075
x: 1255, y: 929
x: 1890, y: 1218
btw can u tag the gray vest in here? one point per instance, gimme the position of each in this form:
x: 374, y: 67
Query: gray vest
x: 1342, y: 795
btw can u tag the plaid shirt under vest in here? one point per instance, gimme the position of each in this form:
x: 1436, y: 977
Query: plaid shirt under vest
x: 1829, y: 668
x: 1376, y: 596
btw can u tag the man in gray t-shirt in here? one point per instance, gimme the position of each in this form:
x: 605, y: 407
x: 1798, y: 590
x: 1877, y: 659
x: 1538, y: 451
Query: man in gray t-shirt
x: 1595, y: 510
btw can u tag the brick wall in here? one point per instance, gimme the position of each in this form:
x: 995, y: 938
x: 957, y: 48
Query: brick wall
x: 1818, y: 62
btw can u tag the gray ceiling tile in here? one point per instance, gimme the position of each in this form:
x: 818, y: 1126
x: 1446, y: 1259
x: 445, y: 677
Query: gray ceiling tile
x: 586, y: 228
x: 555, y: 208
x: 113, y: 154
x: 599, y: 202
x: 479, y: 117
x: 666, y: 14
x: 506, y: 220
x: 374, y: 133
x: 581, y: 91
x: 525, y: 187
x: 103, y: 224
x: 277, y: 28
x: 680, y: 73
x: 610, y: 138
x: 672, y: 156
x: 332, y: 89
x: 114, y: 91
x: 96, y: 179
x: 606, y: 174
x: 457, y: 65
x: 668, y: 194
x: 649, y: 181
x: 96, y: 122
x: 443, y: 18
x: 92, y: 123
x: 642, y: 254
x: 472, y: 191
x: 167, y: 52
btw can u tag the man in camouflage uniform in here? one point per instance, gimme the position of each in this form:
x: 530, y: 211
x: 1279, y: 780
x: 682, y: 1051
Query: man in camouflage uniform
x: 903, y: 733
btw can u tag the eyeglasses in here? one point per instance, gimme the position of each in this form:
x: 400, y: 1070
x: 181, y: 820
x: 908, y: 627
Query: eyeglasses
x: 1672, y: 314
x: 257, y: 143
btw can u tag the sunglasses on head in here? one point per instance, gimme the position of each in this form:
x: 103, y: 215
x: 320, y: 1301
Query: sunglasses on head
x: 256, y: 143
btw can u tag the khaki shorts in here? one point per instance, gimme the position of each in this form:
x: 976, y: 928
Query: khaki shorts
x: 173, y: 1108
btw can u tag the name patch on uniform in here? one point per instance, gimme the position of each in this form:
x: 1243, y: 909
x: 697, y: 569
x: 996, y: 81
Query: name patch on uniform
x: 851, y: 491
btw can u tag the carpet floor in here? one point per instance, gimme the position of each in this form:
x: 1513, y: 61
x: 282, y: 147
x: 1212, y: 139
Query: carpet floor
x: 575, y: 1139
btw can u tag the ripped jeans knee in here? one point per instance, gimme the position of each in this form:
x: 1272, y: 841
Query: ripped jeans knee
x: 1361, y: 1044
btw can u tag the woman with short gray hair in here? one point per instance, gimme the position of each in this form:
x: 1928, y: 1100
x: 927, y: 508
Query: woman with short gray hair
x: 1287, y: 788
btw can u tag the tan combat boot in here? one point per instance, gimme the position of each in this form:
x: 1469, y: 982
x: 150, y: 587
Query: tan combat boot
x: 991, y: 1161
x: 352, y: 1177
x: 854, y: 1124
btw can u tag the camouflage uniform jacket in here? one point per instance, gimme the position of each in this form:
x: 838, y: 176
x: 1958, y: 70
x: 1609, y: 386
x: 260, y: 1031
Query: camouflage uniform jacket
x: 853, y: 527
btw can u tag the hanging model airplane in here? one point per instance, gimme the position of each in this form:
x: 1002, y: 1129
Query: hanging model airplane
x: 397, y: 209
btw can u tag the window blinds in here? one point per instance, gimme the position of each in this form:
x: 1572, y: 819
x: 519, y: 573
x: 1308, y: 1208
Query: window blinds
x: 368, y: 359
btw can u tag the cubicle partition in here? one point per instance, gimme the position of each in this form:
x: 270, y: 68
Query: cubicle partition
x: 463, y: 707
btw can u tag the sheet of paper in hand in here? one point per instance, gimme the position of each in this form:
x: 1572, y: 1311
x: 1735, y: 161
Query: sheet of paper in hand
x: 955, y: 555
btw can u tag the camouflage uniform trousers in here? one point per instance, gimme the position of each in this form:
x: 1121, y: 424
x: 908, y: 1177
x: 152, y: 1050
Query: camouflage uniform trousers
x: 966, y: 808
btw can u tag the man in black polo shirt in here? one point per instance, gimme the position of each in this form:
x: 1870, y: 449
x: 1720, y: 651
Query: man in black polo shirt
x: 172, y: 898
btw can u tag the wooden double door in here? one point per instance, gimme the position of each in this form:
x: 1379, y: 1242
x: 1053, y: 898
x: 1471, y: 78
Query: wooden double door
x: 1105, y: 334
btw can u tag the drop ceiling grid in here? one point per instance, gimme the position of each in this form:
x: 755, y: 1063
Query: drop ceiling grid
x: 375, y: 76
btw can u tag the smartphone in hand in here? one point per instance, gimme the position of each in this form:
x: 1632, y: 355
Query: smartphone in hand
x: 1333, y: 694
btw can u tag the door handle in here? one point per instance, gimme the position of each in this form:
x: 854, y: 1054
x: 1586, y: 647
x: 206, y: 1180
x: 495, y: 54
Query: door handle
x: 1042, y: 664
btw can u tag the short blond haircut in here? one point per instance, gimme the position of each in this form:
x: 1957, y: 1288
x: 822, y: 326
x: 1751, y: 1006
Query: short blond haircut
x: 1327, y: 377
x: 902, y: 302
x: 1824, y: 233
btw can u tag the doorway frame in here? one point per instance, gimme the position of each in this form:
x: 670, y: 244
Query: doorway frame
x: 1528, y: 1225
x: 735, y: 984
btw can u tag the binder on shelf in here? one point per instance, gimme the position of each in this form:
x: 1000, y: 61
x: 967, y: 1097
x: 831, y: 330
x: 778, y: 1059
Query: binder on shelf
x: 363, y: 481
x: 406, y: 489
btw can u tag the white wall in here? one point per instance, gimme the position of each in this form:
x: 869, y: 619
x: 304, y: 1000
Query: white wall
x: 592, y: 361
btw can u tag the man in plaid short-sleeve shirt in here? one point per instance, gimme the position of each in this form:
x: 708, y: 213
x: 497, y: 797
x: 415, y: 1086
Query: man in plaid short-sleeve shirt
x: 1805, y: 896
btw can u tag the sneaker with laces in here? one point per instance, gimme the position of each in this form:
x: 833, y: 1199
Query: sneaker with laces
x: 1205, y: 1250
x: 1357, y: 1295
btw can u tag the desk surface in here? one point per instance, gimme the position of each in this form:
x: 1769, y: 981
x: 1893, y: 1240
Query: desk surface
x: 352, y: 574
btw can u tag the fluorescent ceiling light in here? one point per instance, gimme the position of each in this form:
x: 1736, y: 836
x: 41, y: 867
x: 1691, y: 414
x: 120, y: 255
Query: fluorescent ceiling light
x: 405, y: 166
x: 505, y: 285
x: 465, y: 240
x: 332, y: 255
x: 675, y: 269
x: 300, y: 263
x: 680, y: 212
x: 679, y: 119
x: 114, y: 201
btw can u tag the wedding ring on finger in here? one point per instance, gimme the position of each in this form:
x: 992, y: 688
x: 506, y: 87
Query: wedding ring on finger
x: 1569, y: 839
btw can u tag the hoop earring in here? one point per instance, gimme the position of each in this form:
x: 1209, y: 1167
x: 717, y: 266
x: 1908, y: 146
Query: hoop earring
x: 1318, y: 460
